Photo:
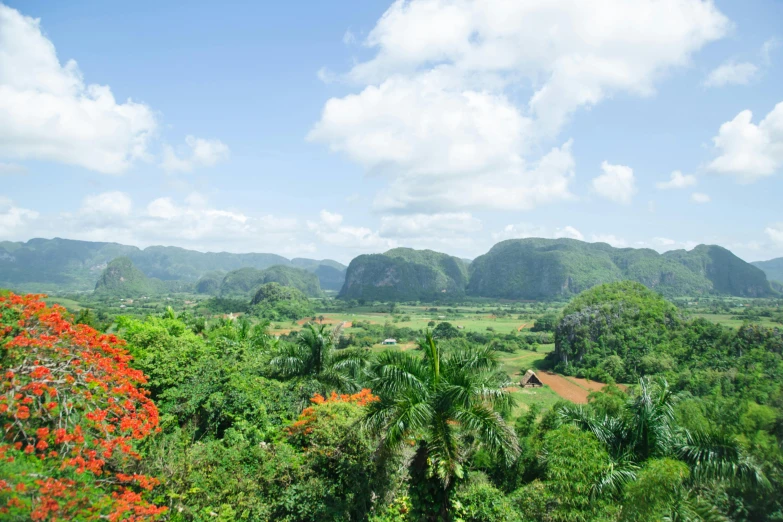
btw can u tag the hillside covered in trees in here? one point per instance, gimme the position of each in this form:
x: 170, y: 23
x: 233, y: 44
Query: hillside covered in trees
x: 405, y: 274
x: 773, y: 268
x: 64, y: 264
x: 551, y: 268
x: 246, y: 281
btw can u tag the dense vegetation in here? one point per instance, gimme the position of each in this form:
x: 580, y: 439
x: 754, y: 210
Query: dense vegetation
x: 313, y: 426
x: 68, y: 265
x: 551, y: 268
x: 773, y: 268
x: 273, y: 301
x: 404, y: 274
x: 246, y: 281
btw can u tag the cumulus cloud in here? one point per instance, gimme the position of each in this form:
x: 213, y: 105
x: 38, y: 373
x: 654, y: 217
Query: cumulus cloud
x: 732, y: 73
x: 48, y: 112
x: 329, y: 229
x: 190, y: 223
x: 775, y: 232
x: 525, y: 230
x: 11, y: 168
x: 610, y: 239
x: 700, y: 197
x: 677, y: 180
x: 108, y: 203
x: 438, y: 107
x: 616, y: 184
x: 198, y: 152
x: 428, y: 225
x: 748, y: 151
x: 15, y: 220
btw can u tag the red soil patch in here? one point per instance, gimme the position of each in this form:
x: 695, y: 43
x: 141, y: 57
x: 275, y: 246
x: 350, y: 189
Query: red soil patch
x: 564, y: 388
x: 521, y: 327
x: 573, y: 389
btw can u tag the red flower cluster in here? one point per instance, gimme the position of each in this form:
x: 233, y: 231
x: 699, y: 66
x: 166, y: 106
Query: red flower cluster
x: 310, y: 414
x: 70, y: 400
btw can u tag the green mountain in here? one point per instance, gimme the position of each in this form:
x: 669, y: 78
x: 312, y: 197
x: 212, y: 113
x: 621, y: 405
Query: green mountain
x: 245, y: 281
x: 209, y: 283
x: 122, y: 279
x: 773, y: 268
x: 404, y: 274
x: 51, y: 265
x: 551, y: 268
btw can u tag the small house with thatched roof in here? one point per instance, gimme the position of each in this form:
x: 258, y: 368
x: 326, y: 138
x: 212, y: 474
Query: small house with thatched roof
x: 531, y: 380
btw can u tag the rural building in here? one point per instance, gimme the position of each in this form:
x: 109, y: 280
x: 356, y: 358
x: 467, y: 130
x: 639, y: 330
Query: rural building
x: 389, y: 341
x: 530, y: 380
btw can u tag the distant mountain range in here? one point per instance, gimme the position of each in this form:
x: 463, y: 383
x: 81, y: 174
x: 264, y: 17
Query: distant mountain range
x: 550, y: 269
x: 47, y: 265
x: 514, y: 269
x: 773, y: 268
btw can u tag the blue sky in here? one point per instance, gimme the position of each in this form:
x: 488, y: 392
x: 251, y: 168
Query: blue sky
x: 334, y: 128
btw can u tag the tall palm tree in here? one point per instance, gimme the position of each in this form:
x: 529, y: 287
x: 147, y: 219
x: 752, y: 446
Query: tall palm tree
x: 442, y: 403
x: 314, y: 356
x: 647, y: 429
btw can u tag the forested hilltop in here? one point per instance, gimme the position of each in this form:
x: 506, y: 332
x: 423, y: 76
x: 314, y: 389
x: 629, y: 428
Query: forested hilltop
x: 63, y: 264
x: 773, y: 268
x: 198, y: 412
x: 405, y: 274
x: 552, y: 268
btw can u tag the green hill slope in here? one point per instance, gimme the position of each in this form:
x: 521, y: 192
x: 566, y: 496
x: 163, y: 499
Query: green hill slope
x: 773, y: 268
x: 553, y: 268
x: 122, y: 279
x: 246, y: 281
x: 404, y: 274
x: 51, y: 265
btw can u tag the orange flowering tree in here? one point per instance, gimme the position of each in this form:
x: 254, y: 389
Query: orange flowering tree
x: 72, y: 412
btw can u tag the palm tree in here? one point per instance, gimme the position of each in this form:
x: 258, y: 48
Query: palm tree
x: 314, y: 356
x: 440, y: 403
x: 646, y: 429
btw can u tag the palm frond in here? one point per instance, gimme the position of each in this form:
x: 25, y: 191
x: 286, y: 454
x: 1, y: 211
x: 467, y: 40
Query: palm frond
x: 718, y: 456
x: 490, y: 429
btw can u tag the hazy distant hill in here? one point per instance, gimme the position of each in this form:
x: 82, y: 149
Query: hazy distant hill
x: 64, y: 264
x: 122, y: 279
x: 246, y: 281
x: 547, y: 268
x: 773, y: 268
x: 404, y: 274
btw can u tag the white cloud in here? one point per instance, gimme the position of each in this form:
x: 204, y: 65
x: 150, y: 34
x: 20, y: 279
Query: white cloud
x: 700, y: 197
x: 677, y: 180
x: 48, y: 112
x: 329, y: 229
x: 429, y: 225
x: 198, y: 152
x: 439, y: 110
x: 775, y: 232
x: 732, y: 73
x: 610, y: 239
x: 766, y: 50
x: 616, y: 184
x: 108, y: 203
x: 525, y: 230
x: 193, y: 223
x: 11, y: 168
x: 14, y: 220
x: 748, y: 151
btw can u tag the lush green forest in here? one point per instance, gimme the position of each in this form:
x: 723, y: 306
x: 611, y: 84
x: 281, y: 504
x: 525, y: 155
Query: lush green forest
x: 404, y: 274
x: 773, y: 268
x: 206, y: 411
x: 51, y: 265
x: 531, y: 269
x: 545, y: 268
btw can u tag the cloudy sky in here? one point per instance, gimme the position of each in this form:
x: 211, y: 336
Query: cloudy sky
x: 330, y: 128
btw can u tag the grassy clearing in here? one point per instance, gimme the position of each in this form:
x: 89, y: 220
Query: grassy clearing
x: 734, y: 321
